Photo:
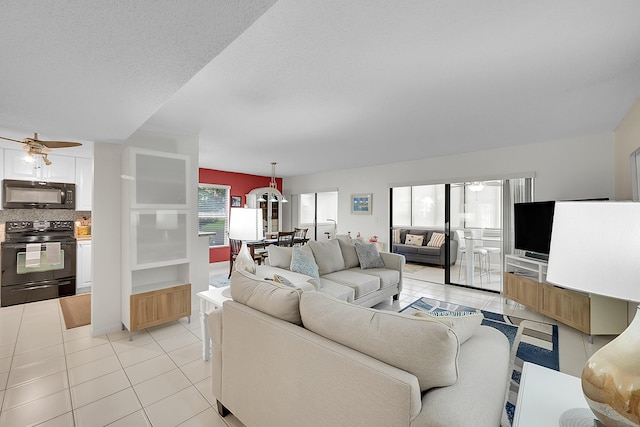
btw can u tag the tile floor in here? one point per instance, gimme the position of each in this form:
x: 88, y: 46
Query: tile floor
x: 51, y: 376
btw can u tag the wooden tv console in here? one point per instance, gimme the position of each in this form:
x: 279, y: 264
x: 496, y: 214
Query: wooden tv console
x: 525, y: 283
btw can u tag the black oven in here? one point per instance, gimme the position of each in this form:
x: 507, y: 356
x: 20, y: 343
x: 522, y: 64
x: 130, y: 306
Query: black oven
x: 38, y: 261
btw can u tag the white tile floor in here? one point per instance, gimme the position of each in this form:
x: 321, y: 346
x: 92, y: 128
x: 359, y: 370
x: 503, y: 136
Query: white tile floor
x: 51, y: 376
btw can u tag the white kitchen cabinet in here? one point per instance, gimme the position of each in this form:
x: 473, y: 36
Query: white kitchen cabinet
x: 61, y: 169
x: 84, y: 184
x: 155, y: 235
x: 83, y: 266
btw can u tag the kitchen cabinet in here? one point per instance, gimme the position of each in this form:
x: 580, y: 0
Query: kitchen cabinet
x: 61, y: 169
x: 156, y: 218
x: 84, y: 184
x: 83, y: 266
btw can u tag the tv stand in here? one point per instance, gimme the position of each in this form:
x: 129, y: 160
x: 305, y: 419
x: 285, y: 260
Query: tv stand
x: 525, y: 282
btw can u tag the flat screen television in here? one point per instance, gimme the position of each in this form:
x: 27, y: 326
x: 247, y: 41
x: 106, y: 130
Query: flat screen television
x: 532, y: 228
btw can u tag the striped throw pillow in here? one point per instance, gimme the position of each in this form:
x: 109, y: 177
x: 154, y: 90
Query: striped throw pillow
x: 437, y: 240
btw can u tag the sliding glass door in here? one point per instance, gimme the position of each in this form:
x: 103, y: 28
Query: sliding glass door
x: 476, y: 222
x: 475, y: 216
x: 318, y: 212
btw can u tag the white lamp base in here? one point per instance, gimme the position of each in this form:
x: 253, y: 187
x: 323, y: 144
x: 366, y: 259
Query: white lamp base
x: 579, y: 417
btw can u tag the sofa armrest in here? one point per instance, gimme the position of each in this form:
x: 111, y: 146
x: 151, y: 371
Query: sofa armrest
x: 215, y: 330
x: 394, y: 262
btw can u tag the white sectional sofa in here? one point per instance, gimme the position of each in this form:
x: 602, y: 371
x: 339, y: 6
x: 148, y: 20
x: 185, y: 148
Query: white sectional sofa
x: 283, y: 357
x: 341, y: 273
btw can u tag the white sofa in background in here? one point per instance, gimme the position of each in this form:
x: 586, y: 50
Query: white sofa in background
x: 285, y: 357
x: 340, y: 272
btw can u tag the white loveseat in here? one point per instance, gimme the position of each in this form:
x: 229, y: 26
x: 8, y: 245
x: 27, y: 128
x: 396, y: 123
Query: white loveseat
x: 341, y: 273
x: 283, y: 357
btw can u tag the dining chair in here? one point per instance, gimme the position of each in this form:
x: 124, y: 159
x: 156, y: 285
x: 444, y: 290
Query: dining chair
x: 285, y: 238
x: 299, y: 236
x: 479, y: 254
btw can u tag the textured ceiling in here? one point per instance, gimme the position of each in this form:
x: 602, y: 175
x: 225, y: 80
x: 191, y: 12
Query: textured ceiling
x: 98, y: 69
x: 321, y: 85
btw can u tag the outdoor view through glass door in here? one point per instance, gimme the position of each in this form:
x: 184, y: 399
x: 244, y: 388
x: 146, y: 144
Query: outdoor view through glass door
x: 475, y: 237
x: 316, y: 211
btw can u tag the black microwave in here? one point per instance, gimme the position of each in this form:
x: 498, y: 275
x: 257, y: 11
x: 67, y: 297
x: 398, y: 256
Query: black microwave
x: 17, y: 194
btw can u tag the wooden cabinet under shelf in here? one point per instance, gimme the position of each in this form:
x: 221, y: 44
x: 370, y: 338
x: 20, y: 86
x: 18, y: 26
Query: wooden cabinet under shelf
x: 591, y: 314
x: 521, y: 289
x: 160, y: 306
x: 568, y: 307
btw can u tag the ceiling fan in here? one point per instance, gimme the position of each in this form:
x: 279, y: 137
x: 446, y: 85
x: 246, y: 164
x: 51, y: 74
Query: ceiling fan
x: 39, y: 147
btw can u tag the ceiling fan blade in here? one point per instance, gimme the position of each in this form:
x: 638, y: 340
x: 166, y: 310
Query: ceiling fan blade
x: 59, y: 144
x: 9, y: 139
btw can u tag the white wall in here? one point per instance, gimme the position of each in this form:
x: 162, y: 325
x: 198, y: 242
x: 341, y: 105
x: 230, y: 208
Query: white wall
x: 581, y: 167
x: 105, y: 237
x: 106, y: 227
x: 627, y: 137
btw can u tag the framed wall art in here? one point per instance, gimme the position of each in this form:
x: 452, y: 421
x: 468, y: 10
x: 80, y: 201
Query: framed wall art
x: 361, y: 204
x: 236, y: 201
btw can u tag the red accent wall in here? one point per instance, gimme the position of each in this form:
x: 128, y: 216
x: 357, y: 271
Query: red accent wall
x: 241, y: 184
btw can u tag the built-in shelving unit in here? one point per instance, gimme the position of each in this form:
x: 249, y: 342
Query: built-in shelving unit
x: 156, y: 282
x: 525, y: 282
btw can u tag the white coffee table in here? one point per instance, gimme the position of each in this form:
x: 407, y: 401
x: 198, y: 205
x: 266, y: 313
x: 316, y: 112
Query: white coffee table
x: 210, y: 300
x: 544, y: 395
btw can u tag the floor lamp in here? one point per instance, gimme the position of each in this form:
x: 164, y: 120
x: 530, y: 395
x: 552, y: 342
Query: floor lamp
x: 246, y: 225
x: 595, y: 248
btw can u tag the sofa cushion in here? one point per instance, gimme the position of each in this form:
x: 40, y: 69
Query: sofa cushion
x: 349, y: 254
x: 368, y: 255
x: 437, y: 240
x: 302, y: 261
x: 336, y: 290
x: 269, y: 297
x: 362, y: 284
x: 426, y: 349
x: 328, y: 256
x: 388, y: 277
x: 406, y: 249
x: 279, y: 256
x: 463, y: 323
x: 429, y: 251
x: 414, y: 240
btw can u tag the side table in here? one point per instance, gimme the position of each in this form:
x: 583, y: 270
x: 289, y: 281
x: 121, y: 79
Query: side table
x: 209, y: 300
x: 544, y: 395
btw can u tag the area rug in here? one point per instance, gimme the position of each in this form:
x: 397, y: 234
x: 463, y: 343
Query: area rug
x: 219, y: 280
x: 76, y: 310
x: 531, y: 341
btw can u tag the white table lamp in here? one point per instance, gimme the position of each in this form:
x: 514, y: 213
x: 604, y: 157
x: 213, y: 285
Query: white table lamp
x: 595, y: 248
x: 246, y: 225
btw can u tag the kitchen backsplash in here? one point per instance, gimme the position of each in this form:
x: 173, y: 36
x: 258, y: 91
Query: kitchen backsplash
x: 40, y: 214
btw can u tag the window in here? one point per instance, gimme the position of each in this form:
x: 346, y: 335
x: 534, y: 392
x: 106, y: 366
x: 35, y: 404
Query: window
x: 213, y: 212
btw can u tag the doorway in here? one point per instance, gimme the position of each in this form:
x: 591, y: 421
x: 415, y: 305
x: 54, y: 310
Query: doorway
x: 475, y: 216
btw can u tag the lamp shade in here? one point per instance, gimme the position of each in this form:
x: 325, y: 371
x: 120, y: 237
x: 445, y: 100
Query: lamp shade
x: 245, y: 224
x: 595, y: 248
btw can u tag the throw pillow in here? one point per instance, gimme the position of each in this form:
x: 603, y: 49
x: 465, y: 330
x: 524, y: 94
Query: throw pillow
x: 368, y: 255
x: 463, y: 323
x: 437, y: 240
x: 269, y: 297
x: 283, y: 280
x: 349, y: 254
x: 279, y: 256
x: 328, y: 256
x: 412, y: 239
x: 428, y: 350
x: 302, y: 261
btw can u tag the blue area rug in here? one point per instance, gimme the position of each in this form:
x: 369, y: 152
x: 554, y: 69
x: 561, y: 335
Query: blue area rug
x: 219, y: 280
x: 530, y: 341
